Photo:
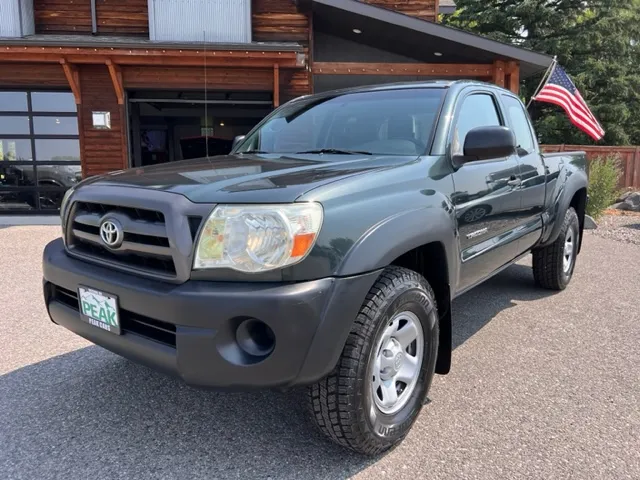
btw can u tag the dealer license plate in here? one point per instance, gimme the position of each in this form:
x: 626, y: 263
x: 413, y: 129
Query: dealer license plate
x: 99, y: 309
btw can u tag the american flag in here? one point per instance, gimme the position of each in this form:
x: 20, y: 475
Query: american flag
x: 560, y: 90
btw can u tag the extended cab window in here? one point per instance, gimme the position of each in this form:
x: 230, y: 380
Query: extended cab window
x: 519, y: 123
x: 384, y: 122
x: 478, y: 110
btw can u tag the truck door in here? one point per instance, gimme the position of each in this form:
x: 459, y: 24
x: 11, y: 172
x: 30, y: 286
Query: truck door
x: 486, y: 196
x: 532, y: 172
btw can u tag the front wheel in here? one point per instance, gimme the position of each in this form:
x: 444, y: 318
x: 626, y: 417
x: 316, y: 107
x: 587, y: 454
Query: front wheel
x: 371, y: 399
x: 553, y: 264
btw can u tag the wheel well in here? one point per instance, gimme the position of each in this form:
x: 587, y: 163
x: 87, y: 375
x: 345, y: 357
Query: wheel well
x: 579, y: 204
x: 430, y: 261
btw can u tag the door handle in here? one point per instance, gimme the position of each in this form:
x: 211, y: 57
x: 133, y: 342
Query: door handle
x: 514, y: 181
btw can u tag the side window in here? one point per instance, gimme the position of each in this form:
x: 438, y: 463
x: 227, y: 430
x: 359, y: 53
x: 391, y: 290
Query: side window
x: 478, y: 110
x: 519, y: 123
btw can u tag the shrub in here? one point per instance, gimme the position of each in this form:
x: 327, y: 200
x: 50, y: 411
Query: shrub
x: 604, y: 175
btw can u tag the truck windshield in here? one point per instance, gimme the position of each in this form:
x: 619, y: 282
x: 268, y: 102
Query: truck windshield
x: 384, y: 122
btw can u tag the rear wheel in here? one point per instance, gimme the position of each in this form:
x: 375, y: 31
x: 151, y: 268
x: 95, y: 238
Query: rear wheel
x: 553, y: 265
x: 371, y: 399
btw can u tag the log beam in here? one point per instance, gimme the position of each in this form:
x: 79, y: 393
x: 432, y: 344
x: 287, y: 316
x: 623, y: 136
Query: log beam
x: 153, y: 56
x: 116, y: 78
x: 412, y: 69
x: 71, y: 72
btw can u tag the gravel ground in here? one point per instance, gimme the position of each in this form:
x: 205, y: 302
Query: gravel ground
x: 543, y: 385
x: 624, y: 228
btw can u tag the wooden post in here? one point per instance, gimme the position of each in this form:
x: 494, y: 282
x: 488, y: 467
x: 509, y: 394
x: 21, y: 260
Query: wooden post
x: 498, y: 73
x: 636, y: 170
x: 512, y: 80
x: 276, y: 85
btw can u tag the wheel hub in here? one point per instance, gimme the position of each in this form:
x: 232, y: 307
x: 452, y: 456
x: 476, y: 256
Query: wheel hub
x: 392, y: 359
x: 567, y: 254
x: 397, y: 362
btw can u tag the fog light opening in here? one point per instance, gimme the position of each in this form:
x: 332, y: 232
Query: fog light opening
x: 255, y: 338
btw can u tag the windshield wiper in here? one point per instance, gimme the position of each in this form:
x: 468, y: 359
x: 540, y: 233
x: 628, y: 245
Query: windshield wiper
x: 253, y: 151
x: 336, y: 151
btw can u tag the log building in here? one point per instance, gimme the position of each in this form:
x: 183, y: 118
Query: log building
x: 91, y: 86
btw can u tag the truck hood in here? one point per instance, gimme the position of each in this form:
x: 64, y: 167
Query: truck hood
x: 268, y: 178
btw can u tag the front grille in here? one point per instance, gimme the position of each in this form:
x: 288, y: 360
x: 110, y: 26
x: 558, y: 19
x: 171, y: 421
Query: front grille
x: 130, y: 323
x: 145, y: 247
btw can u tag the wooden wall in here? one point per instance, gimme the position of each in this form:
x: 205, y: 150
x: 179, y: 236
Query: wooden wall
x: 32, y: 75
x: 278, y: 21
x: 424, y: 9
x: 218, y: 78
x: 294, y: 83
x: 121, y: 17
x: 102, y: 150
x: 62, y: 16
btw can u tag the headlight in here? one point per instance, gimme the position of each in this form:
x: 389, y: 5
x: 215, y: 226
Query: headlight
x: 257, y: 238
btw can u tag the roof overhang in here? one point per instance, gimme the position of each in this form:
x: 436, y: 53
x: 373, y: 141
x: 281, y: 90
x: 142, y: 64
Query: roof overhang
x: 134, y: 51
x: 412, y: 37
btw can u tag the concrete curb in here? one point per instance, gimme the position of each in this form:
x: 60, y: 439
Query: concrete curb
x: 11, y: 220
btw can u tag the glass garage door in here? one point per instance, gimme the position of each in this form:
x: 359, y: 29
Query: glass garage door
x: 39, y: 150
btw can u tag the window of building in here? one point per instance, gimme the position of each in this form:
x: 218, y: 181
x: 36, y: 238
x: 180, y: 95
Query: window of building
x: 39, y: 149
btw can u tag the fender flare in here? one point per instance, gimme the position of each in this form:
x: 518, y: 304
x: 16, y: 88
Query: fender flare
x: 399, y: 234
x: 558, y: 210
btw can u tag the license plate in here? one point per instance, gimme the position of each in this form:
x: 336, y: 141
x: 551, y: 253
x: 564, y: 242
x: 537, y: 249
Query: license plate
x: 99, y: 309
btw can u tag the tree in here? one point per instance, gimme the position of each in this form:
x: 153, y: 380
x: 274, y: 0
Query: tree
x: 594, y: 41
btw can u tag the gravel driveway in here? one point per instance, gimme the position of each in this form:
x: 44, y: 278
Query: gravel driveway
x: 625, y: 228
x: 543, y: 386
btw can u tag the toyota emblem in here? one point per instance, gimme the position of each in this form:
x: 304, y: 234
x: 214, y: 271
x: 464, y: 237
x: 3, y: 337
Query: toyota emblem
x: 111, y: 233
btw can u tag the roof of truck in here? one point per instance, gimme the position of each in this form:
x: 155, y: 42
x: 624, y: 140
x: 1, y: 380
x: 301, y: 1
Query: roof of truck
x: 404, y: 85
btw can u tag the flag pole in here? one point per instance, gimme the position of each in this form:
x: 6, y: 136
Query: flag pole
x: 547, y: 74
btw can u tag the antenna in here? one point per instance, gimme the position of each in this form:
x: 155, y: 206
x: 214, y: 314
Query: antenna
x: 206, y: 109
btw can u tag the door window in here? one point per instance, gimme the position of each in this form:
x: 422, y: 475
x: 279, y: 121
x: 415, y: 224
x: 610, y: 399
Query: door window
x: 519, y: 123
x: 478, y: 110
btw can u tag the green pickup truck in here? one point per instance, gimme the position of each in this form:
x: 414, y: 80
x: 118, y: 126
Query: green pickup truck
x: 324, y: 251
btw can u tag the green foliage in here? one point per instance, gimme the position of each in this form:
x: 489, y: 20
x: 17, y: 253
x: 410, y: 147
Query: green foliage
x: 604, y: 174
x: 596, y: 42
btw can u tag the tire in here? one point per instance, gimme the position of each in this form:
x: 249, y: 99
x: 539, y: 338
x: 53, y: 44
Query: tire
x: 343, y: 405
x: 554, y: 264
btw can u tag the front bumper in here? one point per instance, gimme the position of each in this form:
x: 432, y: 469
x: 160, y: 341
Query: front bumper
x: 189, y: 330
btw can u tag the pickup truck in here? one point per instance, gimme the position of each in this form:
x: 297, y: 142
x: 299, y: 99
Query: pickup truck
x: 324, y: 251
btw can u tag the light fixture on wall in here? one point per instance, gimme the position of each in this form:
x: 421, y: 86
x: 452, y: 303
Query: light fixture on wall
x: 222, y: 124
x: 437, y: 54
x: 357, y: 30
x: 101, y: 120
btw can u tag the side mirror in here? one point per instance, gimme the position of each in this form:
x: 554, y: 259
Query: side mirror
x: 236, y: 141
x: 485, y: 143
